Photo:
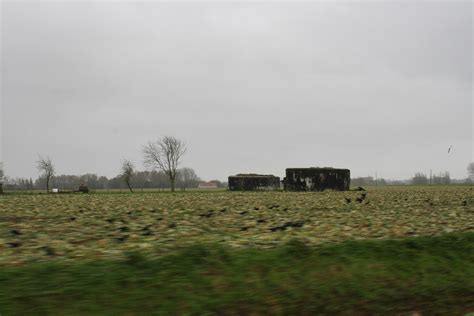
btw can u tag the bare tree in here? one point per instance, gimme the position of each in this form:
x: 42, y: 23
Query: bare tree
x: 127, y: 172
x: 442, y: 178
x: 470, y: 171
x: 187, y: 178
x: 1, y: 177
x: 419, y: 179
x: 45, y: 166
x: 165, y: 154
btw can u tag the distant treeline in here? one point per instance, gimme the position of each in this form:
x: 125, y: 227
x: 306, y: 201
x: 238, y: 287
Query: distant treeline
x: 186, y: 178
x: 441, y: 178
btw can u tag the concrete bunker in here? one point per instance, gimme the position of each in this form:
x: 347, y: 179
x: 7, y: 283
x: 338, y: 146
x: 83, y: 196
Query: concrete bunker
x: 254, y: 182
x: 317, y: 179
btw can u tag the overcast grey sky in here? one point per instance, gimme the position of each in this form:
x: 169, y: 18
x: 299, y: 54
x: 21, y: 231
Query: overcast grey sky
x: 371, y: 86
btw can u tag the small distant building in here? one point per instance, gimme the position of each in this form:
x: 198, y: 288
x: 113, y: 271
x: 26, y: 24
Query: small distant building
x: 207, y: 185
x: 83, y: 188
x: 254, y: 182
x: 317, y: 179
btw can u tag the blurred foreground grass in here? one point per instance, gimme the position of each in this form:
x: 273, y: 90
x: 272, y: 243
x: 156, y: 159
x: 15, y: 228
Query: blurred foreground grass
x: 428, y: 275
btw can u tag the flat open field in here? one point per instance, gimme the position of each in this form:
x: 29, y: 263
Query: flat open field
x: 105, y: 226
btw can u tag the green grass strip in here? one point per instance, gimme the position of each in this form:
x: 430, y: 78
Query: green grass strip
x: 430, y: 275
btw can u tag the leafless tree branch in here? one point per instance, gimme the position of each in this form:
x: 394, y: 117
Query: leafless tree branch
x: 1, y: 177
x: 45, y: 165
x: 127, y: 172
x: 165, y: 154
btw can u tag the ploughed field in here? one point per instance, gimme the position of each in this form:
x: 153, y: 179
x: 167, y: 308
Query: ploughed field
x: 107, y: 226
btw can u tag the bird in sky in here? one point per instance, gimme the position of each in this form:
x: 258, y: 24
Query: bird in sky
x: 449, y: 149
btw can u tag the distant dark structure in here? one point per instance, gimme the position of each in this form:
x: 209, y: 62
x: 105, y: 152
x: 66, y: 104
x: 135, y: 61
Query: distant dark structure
x: 1, y: 188
x: 253, y: 182
x: 317, y: 179
x: 83, y: 188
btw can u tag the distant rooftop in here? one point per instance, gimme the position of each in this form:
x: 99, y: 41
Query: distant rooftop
x: 325, y: 168
x: 253, y: 175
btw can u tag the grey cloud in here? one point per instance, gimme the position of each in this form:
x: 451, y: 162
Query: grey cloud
x: 370, y: 86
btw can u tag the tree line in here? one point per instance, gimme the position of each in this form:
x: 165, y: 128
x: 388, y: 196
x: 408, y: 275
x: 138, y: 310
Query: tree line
x: 185, y: 178
x: 420, y: 178
x: 161, y: 157
x: 440, y: 178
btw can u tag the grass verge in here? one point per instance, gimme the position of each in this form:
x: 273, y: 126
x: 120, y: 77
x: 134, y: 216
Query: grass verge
x: 430, y: 275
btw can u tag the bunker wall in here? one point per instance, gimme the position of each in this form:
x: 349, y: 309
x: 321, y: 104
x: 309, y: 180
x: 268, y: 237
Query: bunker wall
x: 317, y: 179
x: 253, y: 183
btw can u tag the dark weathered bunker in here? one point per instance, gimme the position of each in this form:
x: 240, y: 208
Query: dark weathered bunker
x: 317, y: 179
x: 253, y: 182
